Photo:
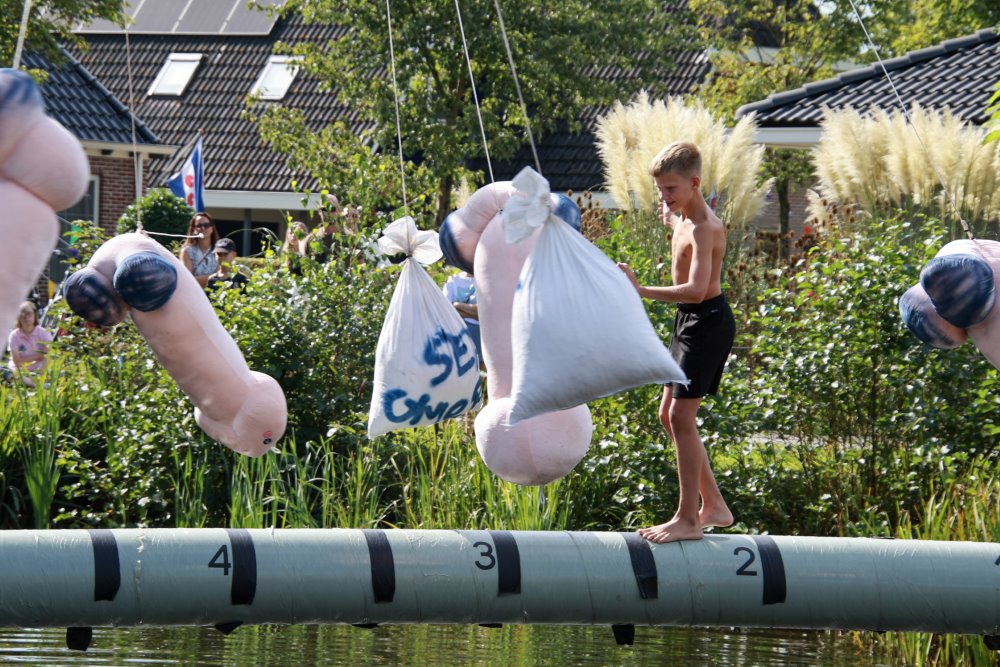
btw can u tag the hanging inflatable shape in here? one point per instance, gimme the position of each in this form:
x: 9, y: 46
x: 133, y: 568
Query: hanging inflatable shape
x: 579, y: 329
x: 957, y: 298
x: 537, y: 450
x: 426, y: 365
x: 43, y: 169
x: 131, y: 273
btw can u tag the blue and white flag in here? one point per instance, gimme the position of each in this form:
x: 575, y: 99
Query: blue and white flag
x: 188, y: 182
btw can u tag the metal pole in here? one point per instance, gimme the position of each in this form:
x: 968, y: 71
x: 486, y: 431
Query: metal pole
x: 21, y: 34
x: 247, y: 226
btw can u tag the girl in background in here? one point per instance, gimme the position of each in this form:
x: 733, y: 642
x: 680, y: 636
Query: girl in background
x: 28, y: 343
x: 294, y: 248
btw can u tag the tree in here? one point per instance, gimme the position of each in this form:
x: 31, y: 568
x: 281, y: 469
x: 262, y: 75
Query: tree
x: 994, y: 110
x: 50, y: 23
x: 765, y: 46
x: 560, y: 50
x: 762, y: 47
x: 899, y: 26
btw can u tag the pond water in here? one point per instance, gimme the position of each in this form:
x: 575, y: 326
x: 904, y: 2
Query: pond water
x: 453, y: 646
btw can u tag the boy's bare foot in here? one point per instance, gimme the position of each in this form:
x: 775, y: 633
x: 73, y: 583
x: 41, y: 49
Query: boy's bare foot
x: 674, y: 530
x: 720, y: 517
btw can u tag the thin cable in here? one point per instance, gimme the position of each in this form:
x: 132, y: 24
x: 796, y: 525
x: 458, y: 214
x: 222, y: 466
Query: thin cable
x: 21, y: 34
x: 199, y: 235
x: 909, y: 121
x: 136, y: 166
x: 517, y: 85
x: 475, y: 96
x: 395, y: 94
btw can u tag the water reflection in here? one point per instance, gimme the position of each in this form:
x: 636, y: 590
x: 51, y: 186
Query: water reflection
x: 454, y: 646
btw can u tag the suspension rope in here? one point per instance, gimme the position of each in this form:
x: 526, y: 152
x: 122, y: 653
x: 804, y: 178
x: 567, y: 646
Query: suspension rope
x: 199, y: 235
x: 21, y: 34
x: 136, y: 160
x: 947, y: 192
x: 131, y: 97
x: 395, y: 94
x: 475, y: 95
x: 517, y: 85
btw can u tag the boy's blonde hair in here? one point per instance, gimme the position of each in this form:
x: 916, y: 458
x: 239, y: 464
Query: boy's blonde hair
x: 680, y: 157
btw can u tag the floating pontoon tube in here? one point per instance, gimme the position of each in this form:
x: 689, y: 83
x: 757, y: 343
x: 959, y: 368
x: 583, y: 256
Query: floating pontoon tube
x: 228, y: 577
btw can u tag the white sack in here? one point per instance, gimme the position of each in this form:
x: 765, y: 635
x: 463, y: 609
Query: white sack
x: 579, y: 328
x: 426, y: 367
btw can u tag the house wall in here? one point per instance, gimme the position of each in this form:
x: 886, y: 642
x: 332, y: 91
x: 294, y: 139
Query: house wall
x: 116, y: 190
x: 768, y: 220
x: 767, y: 224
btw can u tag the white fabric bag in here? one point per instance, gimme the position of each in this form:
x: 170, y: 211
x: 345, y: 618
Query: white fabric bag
x: 426, y: 366
x: 579, y: 329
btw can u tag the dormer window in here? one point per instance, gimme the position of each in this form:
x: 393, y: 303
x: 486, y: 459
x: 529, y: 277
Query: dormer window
x: 274, y: 82
x: 175, y: 74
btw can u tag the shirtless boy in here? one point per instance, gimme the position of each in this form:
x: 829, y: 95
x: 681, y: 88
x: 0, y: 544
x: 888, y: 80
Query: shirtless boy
x: 703, y: 336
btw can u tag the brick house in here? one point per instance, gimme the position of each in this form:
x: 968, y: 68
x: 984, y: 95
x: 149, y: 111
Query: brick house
x: 191, y: 67
x: 215, y: 53
x: 104, y: 127
x: 194, y: 64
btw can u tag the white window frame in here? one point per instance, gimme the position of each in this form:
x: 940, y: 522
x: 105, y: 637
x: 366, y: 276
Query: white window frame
x: 289, y: 65
x: 93, y: 189
x: 58, y: 263
x: 175, y: 66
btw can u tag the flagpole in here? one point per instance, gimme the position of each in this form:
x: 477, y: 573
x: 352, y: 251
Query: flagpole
x: 191, y: 191
x: 200, y: 172
x: 21, y: 34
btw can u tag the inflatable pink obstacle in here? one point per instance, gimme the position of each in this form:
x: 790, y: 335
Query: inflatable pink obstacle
x: 43, y: 169
x: 243, y: 409
x: 957, y: 298
x: 543, y: 448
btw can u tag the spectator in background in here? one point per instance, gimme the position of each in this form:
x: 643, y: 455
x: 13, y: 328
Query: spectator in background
x: 28, y: 344
x: 196, y: 253
x: 294, y: 248
x: 352, y: 220
x: 226, y: 274
x: 335, y: 223
x: 460, y: 289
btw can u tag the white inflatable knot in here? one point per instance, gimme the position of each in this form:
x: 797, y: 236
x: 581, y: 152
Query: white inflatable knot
x: 402, y: 236
x: 528, y: 208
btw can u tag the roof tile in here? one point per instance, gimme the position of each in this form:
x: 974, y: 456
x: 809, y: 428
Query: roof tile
x: 236, y: 158
x: 85, y: 107
x: 957, y: 74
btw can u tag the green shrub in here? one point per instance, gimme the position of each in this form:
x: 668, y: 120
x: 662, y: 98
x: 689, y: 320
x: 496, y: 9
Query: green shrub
x: 845, y: 409
x: 832, y: 419
x: 161, y: 210
x: 315, y: 333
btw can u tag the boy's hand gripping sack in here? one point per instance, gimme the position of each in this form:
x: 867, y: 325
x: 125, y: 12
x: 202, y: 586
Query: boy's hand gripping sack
x: 426, y: 367
x: 579, y: 329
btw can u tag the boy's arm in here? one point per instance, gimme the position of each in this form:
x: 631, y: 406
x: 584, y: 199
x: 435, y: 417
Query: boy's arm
x: 467, y: 309
x: 699, y: 274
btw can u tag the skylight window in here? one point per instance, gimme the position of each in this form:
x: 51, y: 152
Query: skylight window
x: 175, y: 74
x: 274, y: 82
